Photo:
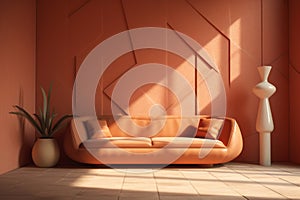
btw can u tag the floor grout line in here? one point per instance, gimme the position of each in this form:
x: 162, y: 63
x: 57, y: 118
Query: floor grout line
x: 121, y: 189
x: 263, y: 185
x: 156, y: 185
x: 190, y: 183
x: 228, y: 181
x: 228, y: 185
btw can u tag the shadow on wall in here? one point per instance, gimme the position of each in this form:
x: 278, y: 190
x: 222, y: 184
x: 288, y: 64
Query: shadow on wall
x: 232, y: 36
x: 234, y: 56
x: 26, y: 145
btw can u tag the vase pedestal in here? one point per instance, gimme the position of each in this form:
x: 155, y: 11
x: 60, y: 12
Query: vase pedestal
x: 265, y: 148
x: 264, y: 120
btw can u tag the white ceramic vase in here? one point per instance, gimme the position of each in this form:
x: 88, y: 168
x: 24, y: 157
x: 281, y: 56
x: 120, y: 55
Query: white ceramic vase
x: 264, y: 121
x: 45, y: 152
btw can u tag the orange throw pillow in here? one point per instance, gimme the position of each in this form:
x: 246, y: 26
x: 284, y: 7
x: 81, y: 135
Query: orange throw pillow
x: 209, y: 128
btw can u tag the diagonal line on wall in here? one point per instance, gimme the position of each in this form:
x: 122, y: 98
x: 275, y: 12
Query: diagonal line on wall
x: 294, y: 68
x: 77, y: 9
x: 277, y: 59
x: 105, y: 90
x: 127, y: 26
x: 197, y: 56
x: 220, y: 32
x: 196, y: 53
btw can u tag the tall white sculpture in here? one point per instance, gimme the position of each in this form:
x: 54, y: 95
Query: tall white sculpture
x: 264, y: 121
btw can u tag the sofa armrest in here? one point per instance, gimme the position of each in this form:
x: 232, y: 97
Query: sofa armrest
x: 76, y: 140
x: 232, y: 138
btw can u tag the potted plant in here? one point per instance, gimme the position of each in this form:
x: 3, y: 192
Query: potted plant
x: 45, y: 151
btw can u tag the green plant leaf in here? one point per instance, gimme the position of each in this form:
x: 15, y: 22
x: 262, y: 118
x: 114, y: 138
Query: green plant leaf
x: 46, y: 112
x: 24, y: 113
x: 41, y: 114
x: 48, y: 108
x: 59, y: 124
x: 44, y: 120
x: 51, y: 123
x: 51, y: 118
x: 40, y: 120
x: 43, y: 125
x: 49, y: 96
x: 45, y: 104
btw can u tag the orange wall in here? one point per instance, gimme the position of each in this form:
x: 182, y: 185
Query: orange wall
x: 17, y: 80
x: 276, y: 53
x: 240, y: 36
x: 294, y: 69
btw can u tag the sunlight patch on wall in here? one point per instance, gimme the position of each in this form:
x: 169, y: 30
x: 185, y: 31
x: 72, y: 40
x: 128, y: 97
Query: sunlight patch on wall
x: 236, y: 38
x: 236, y: 57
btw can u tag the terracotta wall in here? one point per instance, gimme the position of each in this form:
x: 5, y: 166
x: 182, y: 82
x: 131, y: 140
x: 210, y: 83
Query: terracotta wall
x: 294, y: 70
x: 275, y: 52
x: 17, y: 80
x: 238, y: 35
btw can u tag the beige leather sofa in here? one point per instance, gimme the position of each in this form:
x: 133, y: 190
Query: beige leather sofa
x: 175, y: 140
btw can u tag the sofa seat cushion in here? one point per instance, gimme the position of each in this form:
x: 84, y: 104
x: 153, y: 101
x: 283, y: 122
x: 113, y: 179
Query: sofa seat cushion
x: 121, y: 142
x: 185, y: 142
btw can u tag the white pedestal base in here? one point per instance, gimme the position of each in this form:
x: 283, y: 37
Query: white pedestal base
x: 265, y: 148
x: 264, y: 120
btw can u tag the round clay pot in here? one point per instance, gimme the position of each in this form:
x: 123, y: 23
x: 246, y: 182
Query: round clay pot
x: 45, y: 152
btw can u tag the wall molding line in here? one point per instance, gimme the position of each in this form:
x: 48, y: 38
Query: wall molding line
x: 79, y: 8
x: 221, y: 33
x: 294, y: 68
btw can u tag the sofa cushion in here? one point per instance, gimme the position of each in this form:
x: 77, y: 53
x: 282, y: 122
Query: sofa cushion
x: 80, y: 129
x: 209, y: 128
x: 185, y: 142
x: 121, y: 142
x: 96, y: 129
x: 160, y: 126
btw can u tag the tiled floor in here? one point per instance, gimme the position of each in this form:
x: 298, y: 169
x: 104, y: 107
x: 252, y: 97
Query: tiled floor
x: 229, y: 181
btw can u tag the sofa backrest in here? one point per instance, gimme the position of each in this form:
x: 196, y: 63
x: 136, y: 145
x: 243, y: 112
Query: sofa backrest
x: 164, y: 126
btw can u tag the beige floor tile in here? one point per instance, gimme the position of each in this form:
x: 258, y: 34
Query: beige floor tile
x: 59, y: 192
x: 247, y: 185
x: 98, y: 194
x: 229, y: 181
x: 140, y: 198
x: 214, y: 188
x: 140, y: 194
x: 12, y: 197
x: 222, y: 197
x: 101, y: 197
x: 274, y: 184
x: 176, y: 197
x: 289, y: 191
x: 136, y: 187
x: 182, y: 190
x: 52, y: 196
x: 172, y: 183
x: 291, y: 178
x: 106, y: 197
x: 8, y: 181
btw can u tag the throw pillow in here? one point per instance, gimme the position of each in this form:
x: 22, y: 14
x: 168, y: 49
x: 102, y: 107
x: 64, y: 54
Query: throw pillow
x: 96, y: 129
x: 209, y: 128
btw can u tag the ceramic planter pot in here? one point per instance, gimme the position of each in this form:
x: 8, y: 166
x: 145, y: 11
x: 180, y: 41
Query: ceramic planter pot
x: 45, y: 152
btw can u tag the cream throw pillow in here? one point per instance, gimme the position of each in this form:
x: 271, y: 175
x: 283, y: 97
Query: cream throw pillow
x: 97, y: 129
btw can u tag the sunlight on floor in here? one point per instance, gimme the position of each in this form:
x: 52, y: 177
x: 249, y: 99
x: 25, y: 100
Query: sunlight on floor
x: 229, y: 181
